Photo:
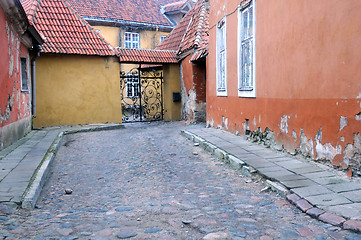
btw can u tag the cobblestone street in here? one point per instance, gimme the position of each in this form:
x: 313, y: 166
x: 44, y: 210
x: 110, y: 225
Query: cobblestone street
x: 148, y: 182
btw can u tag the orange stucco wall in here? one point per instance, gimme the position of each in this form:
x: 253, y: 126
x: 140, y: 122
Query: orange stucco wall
x: 308, y: 76
x: 193, y: 90
x: 15, y: 105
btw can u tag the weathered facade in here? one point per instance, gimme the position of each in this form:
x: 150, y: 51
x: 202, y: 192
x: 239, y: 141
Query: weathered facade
x: 17, y: 37
x: 131, y: 23
x: 190, y: 40
x: 77, y: 72
x: 290, y: 80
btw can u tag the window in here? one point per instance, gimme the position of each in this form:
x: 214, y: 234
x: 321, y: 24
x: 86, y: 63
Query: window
x: 132, y: 85
x: 24, y: 75
x: 131, y: 40
x: 162, y: 38
x: 246, y: 68
x: 221, y: 60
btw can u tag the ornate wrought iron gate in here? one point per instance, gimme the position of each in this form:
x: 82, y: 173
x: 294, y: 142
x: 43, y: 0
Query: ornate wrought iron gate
x: 142, y: 95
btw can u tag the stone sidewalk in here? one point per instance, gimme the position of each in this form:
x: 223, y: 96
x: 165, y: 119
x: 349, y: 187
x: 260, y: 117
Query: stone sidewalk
x: 321, y: 193
x: 24, y: 165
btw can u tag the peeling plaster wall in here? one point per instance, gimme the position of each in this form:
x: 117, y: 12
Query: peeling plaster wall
x: 308, y: 79
x: 15, y: 105
x: 193, y: 82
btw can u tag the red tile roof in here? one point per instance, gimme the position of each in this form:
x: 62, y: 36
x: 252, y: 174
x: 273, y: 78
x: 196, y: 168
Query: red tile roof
x: 176, y: 6
x: 175, y: 37
x: 146, y: 56
x: 63, y: 30
x: 138, y: 11
x: 191, y: 33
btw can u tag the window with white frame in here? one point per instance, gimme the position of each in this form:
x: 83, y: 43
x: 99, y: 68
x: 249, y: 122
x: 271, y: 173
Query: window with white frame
x: 24, y: 75
x: 162, y: 38
x: 131, y: 40
x: 246, y: 68
x: 132, y: 85
x: 221, y: 67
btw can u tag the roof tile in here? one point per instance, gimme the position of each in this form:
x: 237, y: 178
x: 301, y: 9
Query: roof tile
x: 146, y: 56
x: 55, y: 20
x: 140, y: 11
x: 191, y: 33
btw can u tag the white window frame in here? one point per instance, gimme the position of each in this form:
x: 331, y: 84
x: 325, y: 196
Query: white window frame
x: 24, y: 74
x: 162, y: 38
x: 133, y: 84
x: 244, y: 91
x: 131, y: 42
x: 222, y: 24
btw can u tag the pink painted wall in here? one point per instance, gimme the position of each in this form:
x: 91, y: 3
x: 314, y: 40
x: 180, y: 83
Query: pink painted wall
x: 308, y: 76
x: 15, y: 105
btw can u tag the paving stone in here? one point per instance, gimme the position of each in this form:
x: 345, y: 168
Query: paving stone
x: 353, y: 236
x: 352, y: 225
x: 125, y: 234
x: 329, y: 199
x: 280, y: 159
x: 124, y: 209
x: 329, y: 180
x: 266, y: 237
x: 291, y: 177
x: 216, y: 236
x: 315, y: 212
x: 276, y: 174
x: 352, y: 210
x: 293, y: 198
x: 290, y: 234
x: 319, y: 174
x: 305, y: 232
x: 293, y: 164
x: 153, y: 230
x: 306, y: 170
x: 151, y: 168
x: 331, y: 219
x: 298, y: 183
x: 311, y: 191
x: 344, y: 187
x: 259, y: 163
x: 269, y: 154
x: 265, y: 170
x: 354, y: 196
x: 303, y: 205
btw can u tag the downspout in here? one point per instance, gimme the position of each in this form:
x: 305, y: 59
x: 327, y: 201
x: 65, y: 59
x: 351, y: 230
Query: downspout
x: 33, y: 98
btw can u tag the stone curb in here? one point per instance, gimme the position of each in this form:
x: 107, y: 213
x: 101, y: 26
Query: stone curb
x: 36, y: 183
x: 94, y: 129
x: 322, y: 215
x: 301, y: 203
x: 233, y: 161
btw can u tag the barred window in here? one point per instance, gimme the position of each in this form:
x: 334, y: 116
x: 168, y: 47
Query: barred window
x: 132, y: 85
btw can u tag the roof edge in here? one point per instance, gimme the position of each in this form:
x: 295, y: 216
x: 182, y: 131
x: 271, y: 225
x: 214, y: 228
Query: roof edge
x: 124, y: 22
x: 90, y: 28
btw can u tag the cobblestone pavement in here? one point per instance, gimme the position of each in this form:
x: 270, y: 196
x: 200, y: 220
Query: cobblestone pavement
x: 148, y: 182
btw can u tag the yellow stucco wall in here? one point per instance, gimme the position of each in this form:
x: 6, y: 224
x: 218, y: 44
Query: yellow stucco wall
x: 111, y: 34
x: 172, y: 110
x: 74, y: 90
x: 114, y: 35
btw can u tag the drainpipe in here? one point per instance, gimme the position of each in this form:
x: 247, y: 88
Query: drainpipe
x: 33, y: 99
